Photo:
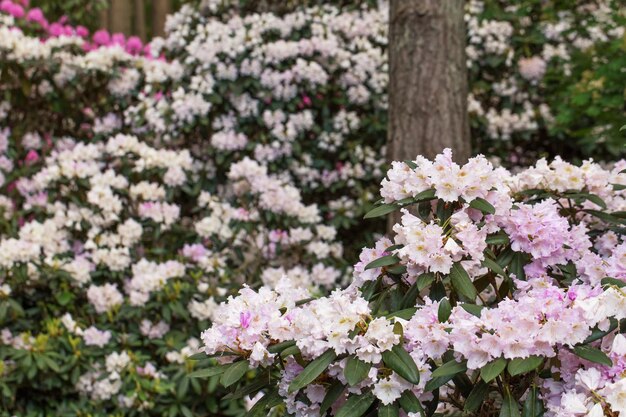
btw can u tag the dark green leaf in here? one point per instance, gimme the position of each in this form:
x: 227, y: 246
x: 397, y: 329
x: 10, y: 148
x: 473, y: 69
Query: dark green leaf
x: 356, y: 405
x: 425, y: 280
x: 279, y: 347
x: 483, y: 205
x: 450, y: 368
x: 494, y: 266
x: 425, y: 195
x: 209, y: 372
x: 612, y: 281
x: 510, y: 408
x: 461, y: 282
x: 476, y: 397
x: 591, y: 197
x: 490, y: 371
x: 356, y: 370
x: 402, y: 363
x: 533, y: 406
x: 381, y: 210
x: 473, y: 309
x: 592, y: 354
x: 405, y: 314
x: 234, y: 373
x: 384, y: 261
x: 498, y: 239
x: 409, y: 403
x: 520, y: 366
x: 390, y: 410
x: 444, y: 311
x: 313, y: 370
x: 333, y: 393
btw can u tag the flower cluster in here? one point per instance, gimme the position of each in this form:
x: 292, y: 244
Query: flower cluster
x: 480, y: 280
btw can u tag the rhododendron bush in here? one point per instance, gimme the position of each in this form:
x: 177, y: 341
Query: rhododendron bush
x: 217, y: 179
x: 498, y: 294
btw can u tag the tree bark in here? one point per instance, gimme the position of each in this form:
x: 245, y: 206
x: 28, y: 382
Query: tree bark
x: 139, y: 17
x: 160, y: 10
x: 427, y: 80
x: 121, y: 17
x: 104, y: 17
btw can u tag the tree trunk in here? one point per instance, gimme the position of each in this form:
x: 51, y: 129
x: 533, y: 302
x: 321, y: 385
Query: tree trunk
x: 139, y: 17
x: 427, y: 79
x: 160, y: 10
x: 121, y: 17
x: 104, y: 17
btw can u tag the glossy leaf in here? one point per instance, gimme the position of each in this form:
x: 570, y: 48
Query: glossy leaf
x: 313, y: 370
x: 402, y: 363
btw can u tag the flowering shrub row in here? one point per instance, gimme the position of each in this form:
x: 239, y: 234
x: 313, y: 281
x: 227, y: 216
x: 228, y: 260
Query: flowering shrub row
x: 305, y: 93
x: 138, y: 190
x: 498, y: 293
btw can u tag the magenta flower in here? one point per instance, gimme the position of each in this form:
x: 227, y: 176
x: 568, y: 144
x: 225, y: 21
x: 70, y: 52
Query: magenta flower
x: 134, y: 45
x: 101, y: 37
x: 31, y: 157
x: 35, y: 15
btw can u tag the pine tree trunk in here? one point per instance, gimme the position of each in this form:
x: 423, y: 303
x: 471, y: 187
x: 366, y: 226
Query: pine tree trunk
x: 121, y: 17
x: 428, y: 79
x: 139, y: 17
x: 104, y: 17
x: 160, y: 10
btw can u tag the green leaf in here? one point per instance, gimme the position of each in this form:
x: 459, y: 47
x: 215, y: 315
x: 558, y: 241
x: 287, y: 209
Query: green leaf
x: 197, y: 356
x: 492, y: 369
x: 498, y: 239
x: 402, y: 363
x: 356, y: 405
x: 494, y: 266
x: 405, y: 314
x: 425, y: 195
x: 259, y: 383
x: 605, y: 216
x: 279, y: 347
x: 209, y: 372
x: 461, y: 282
x: 612, y: 281
x: 390, y: 410
x: 313, y: 370
x: 533, y: 406
x: 425, y: 280
x: 450, y: 368
x: 510, y: 408
x: 476, y: 397
x: 591, y: 197
x: 592, y: 354
x: 473, y: 309
x: 483, y: 205
x: 444, y: 311
x: 333, y: 393
x: 519, y: 366
x: 269, y: 400
x: 435, y: 383
x: 409, y: 403
x: 186, y: 411
x: 410, y: 297
x: 384, y: 261
x: 356, y: 370
x: 64, y: 298
x: 234, y: 373
x: 381, y: 210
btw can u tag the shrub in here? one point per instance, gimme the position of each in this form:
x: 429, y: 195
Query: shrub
x: 498, y: 292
